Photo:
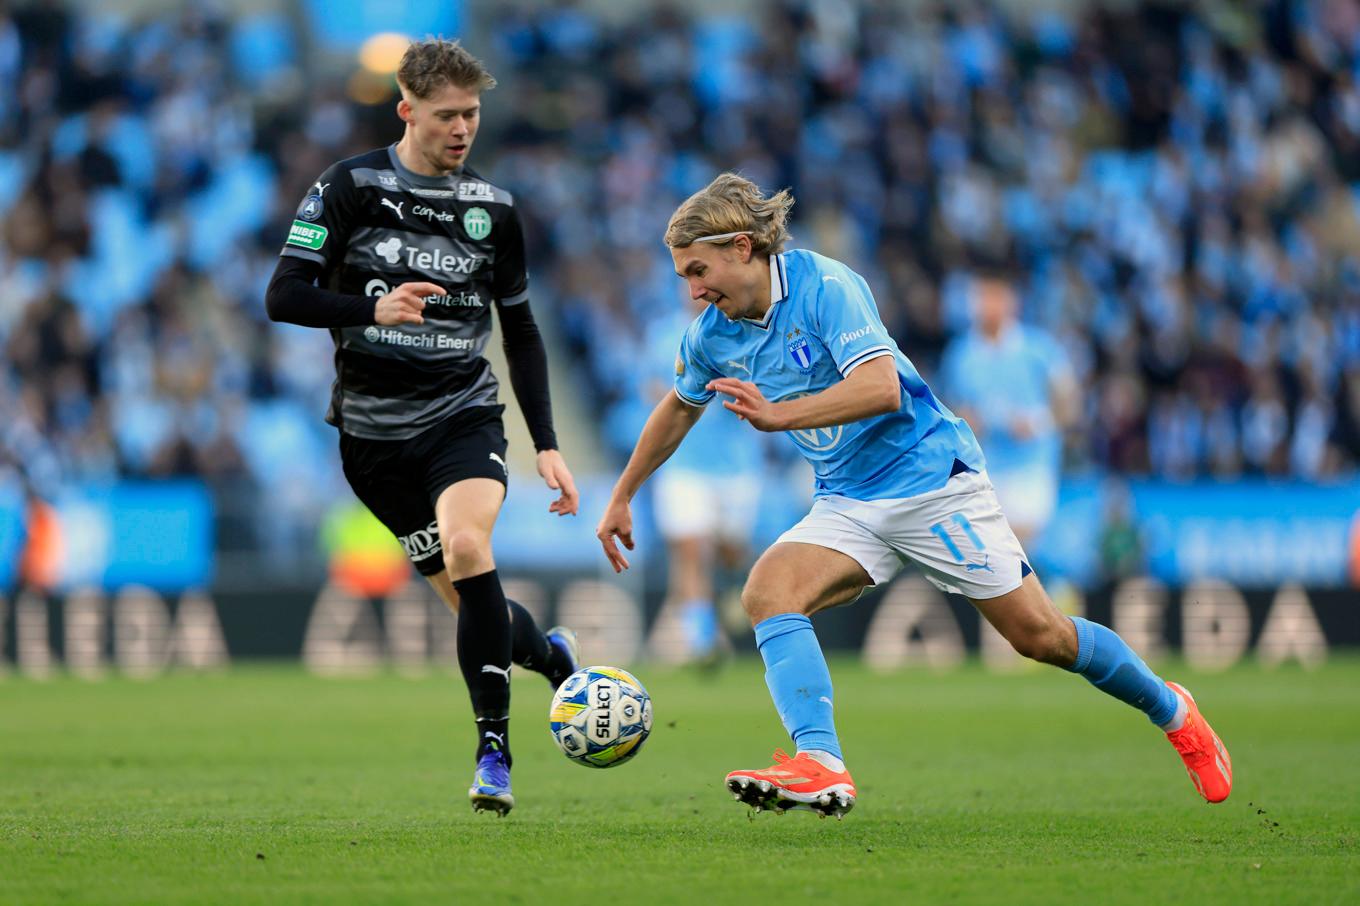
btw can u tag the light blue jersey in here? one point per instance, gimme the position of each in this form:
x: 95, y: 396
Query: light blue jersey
x: 720, y: 443
x: 1005, y: 378
x: 822, y: 324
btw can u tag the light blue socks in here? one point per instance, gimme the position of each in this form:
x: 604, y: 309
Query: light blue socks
x: 799, y: 681
x: 1110, y: 665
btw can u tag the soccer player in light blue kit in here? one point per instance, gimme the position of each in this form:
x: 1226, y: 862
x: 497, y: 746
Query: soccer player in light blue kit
x: 795, y: 340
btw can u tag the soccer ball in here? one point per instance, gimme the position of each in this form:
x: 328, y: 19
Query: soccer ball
x: 600, y: 716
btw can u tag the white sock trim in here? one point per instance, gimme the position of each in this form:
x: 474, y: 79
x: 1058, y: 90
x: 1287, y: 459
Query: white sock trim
x: 1178, y: 719
x: 826, y: 760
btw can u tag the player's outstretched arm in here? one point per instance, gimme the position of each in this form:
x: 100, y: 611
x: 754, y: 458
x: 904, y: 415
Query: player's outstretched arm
x: 668, y: 424
x: 871, y: 389
x: 528, y: 361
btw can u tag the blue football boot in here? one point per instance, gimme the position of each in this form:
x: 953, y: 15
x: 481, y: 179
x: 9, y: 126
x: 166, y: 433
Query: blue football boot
x: 490, y: 789
x: 564, y: 640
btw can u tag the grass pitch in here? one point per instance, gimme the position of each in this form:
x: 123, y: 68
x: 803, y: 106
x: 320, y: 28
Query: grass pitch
x: 266, y: 785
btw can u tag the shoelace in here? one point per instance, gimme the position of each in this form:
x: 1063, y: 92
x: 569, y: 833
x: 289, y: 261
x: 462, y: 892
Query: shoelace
x: 814, y: 767
x: 1188, y: 744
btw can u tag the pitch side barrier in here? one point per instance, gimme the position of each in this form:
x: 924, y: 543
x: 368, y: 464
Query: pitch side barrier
x: 174, y: 535
x: 141, y: 632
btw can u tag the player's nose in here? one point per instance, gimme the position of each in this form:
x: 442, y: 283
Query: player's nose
x: 697, y: 290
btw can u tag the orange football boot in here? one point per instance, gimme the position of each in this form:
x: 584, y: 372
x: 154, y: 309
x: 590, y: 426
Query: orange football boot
x: 1206, y: 759
x: 798, y: 782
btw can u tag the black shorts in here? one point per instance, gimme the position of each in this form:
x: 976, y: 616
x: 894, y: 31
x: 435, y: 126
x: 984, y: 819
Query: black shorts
x: 400, y: 480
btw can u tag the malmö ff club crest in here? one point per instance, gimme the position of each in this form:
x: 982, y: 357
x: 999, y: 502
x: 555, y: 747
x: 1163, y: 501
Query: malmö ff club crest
x: 800, y: 350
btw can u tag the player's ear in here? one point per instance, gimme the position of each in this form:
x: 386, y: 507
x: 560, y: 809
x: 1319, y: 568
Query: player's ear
x: 404, y: 110
x: 744, y: 248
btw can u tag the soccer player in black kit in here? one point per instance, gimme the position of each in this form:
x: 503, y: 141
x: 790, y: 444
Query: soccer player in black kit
x: 401, y: 253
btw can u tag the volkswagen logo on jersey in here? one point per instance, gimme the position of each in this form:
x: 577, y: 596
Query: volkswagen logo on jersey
x: 311, y: 209
x: 815, y: 439
x: 818, y: 438
x: 800, y: 350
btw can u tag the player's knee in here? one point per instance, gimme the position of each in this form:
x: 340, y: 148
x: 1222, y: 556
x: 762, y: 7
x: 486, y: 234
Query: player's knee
x: 467, y: 552
x: 1043, y: 642
x: 753, y: 601
x: 759, y: 601
x: 762, y: 601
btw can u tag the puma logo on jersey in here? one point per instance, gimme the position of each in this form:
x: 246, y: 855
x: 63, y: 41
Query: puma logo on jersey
x: 742, y: 365
x: 396, y: 207
x: 321, y: 188
x: 500, y: 462
x: 491, y: 668
x: 826, y: 278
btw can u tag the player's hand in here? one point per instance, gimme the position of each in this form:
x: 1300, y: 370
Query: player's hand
x: 554, y: 470
x: 617, y: 520
x: 748, y: 402
x: 404, y: 304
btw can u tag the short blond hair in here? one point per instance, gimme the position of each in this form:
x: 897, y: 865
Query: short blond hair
x: 732, y: 204
x: 429, y: 65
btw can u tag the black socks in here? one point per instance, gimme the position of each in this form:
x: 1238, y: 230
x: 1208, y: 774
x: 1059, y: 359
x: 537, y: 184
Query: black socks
x: 484, y: 651
x: 533, y: 651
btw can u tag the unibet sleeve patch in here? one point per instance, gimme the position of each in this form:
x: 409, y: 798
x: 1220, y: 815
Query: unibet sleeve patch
x: 307, y: 235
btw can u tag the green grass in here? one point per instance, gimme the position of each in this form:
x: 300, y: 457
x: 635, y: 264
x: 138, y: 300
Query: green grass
x: 266, y: 785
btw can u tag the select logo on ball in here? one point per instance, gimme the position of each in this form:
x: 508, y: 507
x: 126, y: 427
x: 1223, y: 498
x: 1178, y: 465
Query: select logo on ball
x: 600, y: 717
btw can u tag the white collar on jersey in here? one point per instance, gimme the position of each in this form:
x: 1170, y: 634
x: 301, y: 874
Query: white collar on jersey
x: 779, y: 290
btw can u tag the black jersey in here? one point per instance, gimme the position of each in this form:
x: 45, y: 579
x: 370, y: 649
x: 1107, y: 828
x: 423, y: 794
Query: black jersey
x: 372, y: 224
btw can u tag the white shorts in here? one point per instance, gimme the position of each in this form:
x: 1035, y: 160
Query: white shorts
x: 1028, y: 496
x: 957, y: 536
x: 691, y: 504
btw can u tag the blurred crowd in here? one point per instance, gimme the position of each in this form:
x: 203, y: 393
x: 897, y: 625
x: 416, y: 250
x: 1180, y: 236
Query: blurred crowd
x: 1175, y: 190
x: 1174, y: 186
x: 148, y: 171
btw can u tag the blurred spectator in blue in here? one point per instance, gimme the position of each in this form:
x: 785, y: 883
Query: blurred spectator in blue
x: 705, y: 500
x: 1015, y: 387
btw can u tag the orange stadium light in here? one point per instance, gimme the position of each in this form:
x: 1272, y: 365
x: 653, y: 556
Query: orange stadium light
x: 381, y: 53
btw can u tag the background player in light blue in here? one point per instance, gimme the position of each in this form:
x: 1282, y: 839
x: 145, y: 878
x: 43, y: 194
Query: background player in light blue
x: 1014, y: 386
x: 706, y: 497
x: 795, y: 340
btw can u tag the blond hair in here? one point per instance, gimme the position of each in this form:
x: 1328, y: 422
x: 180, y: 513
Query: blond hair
x: 429, y: 65
x: 728, y: 206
